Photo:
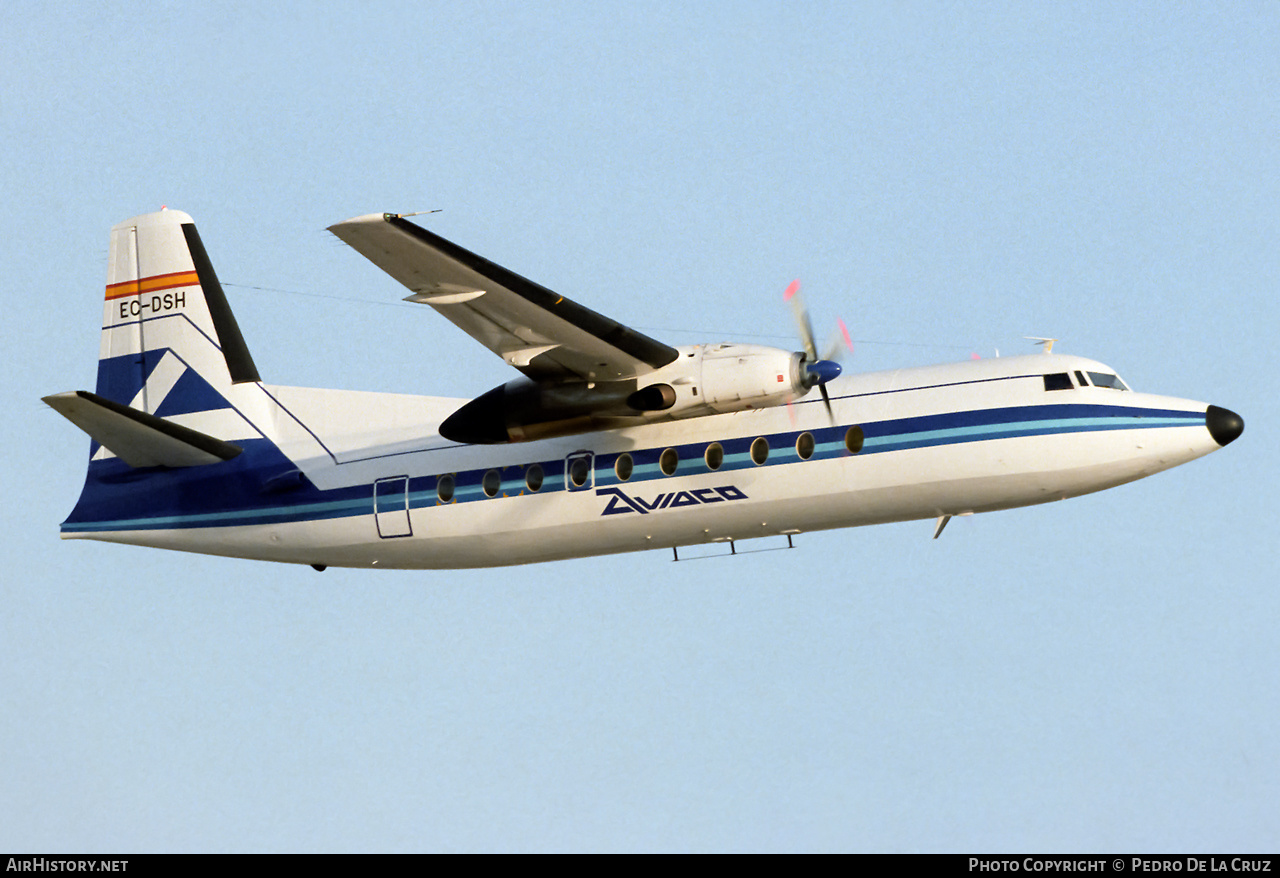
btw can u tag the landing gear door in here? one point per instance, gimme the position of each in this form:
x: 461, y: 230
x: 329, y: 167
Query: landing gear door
x: 391, y: 507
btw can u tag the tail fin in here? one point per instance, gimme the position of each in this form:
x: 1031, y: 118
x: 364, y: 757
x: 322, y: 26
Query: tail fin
x: 172, y: 356
x: 170, y: 344
x: 183, y: 431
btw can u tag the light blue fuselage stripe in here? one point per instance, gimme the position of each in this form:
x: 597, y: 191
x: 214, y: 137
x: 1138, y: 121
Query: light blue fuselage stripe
x: 315, y: 511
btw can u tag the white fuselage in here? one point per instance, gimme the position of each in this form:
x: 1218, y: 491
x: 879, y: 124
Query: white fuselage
x: 934, y: 441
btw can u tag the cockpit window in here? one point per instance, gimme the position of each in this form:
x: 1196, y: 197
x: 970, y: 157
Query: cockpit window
x: 1106, y: 379
x: 1058, y: 381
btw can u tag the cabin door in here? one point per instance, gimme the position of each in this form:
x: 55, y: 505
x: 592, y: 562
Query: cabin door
x: 391, y: 507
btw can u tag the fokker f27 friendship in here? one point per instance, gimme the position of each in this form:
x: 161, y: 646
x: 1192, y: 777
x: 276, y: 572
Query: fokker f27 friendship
x: 610, y: 441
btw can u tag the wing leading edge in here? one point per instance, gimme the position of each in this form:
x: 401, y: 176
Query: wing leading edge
x: 541, y: 333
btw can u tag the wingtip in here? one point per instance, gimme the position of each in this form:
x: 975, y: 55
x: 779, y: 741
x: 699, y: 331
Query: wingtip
x: 58, y: 400
x: 366, y: 219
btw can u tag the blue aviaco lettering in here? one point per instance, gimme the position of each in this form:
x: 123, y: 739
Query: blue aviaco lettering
x: 620, y: 501
x: 155, y: 304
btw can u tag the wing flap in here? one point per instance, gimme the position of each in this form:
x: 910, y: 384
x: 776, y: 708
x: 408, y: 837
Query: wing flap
x: 138, y: 438
x: 541, y: 333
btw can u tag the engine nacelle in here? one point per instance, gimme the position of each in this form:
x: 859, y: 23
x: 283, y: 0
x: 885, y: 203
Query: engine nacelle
x: 737, y: 377
x: 703, y: 380
x: 522, y: 409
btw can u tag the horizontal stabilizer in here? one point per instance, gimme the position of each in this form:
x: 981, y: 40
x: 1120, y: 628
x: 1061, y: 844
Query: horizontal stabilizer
x: 137, y: 438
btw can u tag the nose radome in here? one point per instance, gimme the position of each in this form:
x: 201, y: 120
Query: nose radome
x: 1224, y: 425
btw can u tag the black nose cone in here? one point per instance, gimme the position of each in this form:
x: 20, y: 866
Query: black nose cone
x: 1224, y: 425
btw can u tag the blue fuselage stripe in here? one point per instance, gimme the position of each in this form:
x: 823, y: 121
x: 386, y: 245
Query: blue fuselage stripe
x: 249, y: 507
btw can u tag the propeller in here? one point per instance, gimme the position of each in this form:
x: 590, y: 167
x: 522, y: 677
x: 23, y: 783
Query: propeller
x: 816, y: 370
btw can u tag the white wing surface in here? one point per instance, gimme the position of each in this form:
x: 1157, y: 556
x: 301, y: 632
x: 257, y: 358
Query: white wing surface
x: 541, y: 333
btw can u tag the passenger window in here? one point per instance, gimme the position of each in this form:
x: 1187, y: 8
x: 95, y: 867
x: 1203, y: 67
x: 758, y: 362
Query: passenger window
x: 1058, y: 381
x: 759, y: 451
x: 714, y: 455
x: 853, y: 439
x: 533, y: 477
x: 444, y: 488
x: 623, y: 466
x: 805, y: 445
x: 668, y: 462
x: 578, y: 470
x: 492, y: 483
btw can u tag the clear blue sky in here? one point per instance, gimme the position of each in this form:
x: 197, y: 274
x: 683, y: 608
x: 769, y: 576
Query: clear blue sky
x: 1094, y: 675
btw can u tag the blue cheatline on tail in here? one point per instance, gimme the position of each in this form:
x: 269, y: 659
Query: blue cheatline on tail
x: 171, y: 394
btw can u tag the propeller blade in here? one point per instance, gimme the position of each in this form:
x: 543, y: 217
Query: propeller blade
x: 839, y: 343
x: 803, y: 322
x: 816, y: 370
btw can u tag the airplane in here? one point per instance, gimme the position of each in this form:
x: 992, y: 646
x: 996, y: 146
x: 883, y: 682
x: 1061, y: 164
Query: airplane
x: 609, y: 441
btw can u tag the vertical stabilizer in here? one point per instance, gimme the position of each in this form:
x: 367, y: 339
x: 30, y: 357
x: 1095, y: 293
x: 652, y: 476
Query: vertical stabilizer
x: 162, y: 295
x: 170, y: 344
x: 182, y: 428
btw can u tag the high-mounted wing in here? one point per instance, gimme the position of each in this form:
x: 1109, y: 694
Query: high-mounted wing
x: 541, y: 333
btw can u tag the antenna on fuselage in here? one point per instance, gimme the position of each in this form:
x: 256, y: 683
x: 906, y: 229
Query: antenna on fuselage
x: 1047, y: 342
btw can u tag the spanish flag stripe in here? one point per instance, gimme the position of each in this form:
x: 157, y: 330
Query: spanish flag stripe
x: 152, y: 284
